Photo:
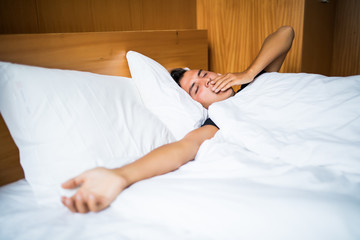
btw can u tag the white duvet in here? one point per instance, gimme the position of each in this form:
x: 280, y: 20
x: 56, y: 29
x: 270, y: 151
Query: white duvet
x: 284, y: 165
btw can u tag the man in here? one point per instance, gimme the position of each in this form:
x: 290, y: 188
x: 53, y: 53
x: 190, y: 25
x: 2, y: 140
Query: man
x: 100, y: 186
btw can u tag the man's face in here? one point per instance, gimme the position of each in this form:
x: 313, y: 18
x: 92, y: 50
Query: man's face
x: 197, y: 84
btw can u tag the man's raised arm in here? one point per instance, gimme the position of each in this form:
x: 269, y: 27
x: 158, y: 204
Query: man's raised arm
x: 270, y: 58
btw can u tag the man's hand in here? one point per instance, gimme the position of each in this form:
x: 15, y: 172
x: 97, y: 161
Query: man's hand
x: 226, y: 81
x: 98, y: 188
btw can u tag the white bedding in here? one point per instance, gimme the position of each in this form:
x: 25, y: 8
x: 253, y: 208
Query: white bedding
x: 183, y: 207
x: 288, y: 169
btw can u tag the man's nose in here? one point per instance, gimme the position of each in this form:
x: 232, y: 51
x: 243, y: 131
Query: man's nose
x: 206, y: 82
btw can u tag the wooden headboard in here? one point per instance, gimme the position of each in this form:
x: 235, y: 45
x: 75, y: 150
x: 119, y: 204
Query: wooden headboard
x: 97, y: 52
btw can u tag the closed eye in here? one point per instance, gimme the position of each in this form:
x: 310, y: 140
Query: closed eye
x: 196, y: 90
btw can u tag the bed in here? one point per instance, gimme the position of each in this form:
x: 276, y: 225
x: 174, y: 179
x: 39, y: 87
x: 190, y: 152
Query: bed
x: 284, y: 165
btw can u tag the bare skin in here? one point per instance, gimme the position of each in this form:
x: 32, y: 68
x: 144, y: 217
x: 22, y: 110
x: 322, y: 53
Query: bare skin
x: 99, y: 187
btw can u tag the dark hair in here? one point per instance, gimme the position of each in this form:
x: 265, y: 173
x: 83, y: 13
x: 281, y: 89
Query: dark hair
x: 177, y: 74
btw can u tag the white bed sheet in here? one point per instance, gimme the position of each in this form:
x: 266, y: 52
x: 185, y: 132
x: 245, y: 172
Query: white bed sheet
x: 205, y: 199
x: 230, y: 191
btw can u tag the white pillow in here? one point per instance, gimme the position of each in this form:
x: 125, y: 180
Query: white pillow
x: 174, y: 107
x: 65, y: 122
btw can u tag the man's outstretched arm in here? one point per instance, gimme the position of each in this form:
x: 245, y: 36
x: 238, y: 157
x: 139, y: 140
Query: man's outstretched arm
x: 100, y: 186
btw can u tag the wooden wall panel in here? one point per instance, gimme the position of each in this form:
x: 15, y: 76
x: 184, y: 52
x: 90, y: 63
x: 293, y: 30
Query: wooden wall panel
x: 89, y: 15
x: 237, y: 28
x: 44, y: 16
x: 65, y: 16
x: 346, y: 52
x: 110, y: 15
x: 175, y: 14
x: 18, y: 16
x: 317, y: 51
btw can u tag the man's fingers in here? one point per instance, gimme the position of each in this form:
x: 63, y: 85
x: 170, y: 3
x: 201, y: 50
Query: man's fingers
x: 69, y: 184
x: 69, y: 203
x: 224, y: 84
x: 80, y: 203
x: 72, y: 183
x: 221, y: 85
x: 227, y: 86
x: 93, y: 204
x: 97, y: 204
x: 218, y: 82
x: 223, y: 81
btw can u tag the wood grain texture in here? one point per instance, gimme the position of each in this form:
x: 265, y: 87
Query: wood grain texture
x: 346, y: 52
x: 237, y: 28
x: 104, y: 52
x: 18, y: 16
x: 317, y: 49
x: 169, y: 14
x: 44, y: 16
x: 98, y: 52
